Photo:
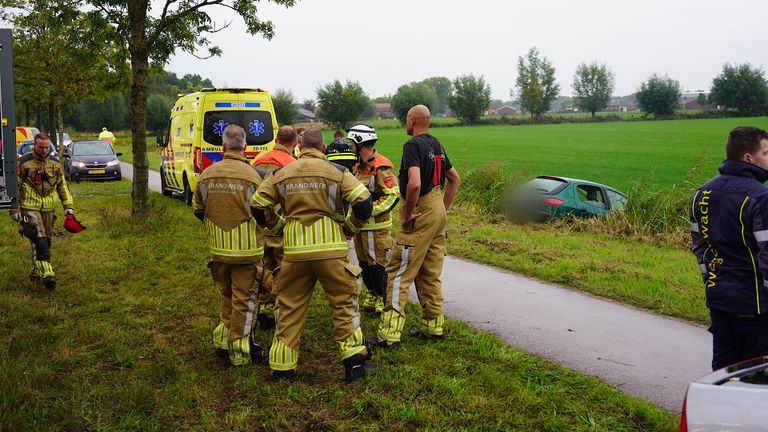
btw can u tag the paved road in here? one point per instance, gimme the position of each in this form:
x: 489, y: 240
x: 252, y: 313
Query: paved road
x: 646, y: 355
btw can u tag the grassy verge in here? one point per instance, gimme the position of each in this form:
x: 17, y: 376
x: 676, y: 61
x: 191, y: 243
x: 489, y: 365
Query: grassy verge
x: 661, y: 278
x: 122, y: 345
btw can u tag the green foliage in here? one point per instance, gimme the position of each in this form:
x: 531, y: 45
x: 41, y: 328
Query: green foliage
x: 113, y: 112
x: 593, y: 86
x: 158, y: 111
x: 409, y: 95
x: 442, y: 87
x: 87, y: 62
x: 535, y: 83
x: 486, y: 187
x: 659, y: 95
x: 741, y: 88
x: 341, y: 104
x: 285, y: 106
x: 470, y: 98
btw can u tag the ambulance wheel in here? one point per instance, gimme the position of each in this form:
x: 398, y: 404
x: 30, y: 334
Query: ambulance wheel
x: 163, y: 187
x: 187, y: 192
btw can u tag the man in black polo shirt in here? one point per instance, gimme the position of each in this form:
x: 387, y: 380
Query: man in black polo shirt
x: 419, y: 250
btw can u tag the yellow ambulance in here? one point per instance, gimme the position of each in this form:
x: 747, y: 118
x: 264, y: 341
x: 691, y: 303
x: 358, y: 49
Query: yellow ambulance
x: 192, y: 139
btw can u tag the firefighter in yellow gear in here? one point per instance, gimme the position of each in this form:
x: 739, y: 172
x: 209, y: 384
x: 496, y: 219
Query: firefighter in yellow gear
x: 221, y: 201
x: 419, y: 250
x: 373, y: 244
x: 39, y: 177
x: 281, y: 155
x: 311, y: 193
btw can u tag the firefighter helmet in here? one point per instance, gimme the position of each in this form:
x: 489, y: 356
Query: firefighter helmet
x: 362, y: 134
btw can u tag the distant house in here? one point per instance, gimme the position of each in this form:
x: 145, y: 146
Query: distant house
x: 695, y: 105
x: 305, y: 114
x: 491, y: 112
x: 507, y: 110
x: 383, y: 111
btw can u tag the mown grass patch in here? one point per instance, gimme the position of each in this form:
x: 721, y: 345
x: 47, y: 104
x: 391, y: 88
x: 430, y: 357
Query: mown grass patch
x: 122, y: 344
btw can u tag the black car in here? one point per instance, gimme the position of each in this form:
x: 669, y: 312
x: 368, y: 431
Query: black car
x: 92, y: 160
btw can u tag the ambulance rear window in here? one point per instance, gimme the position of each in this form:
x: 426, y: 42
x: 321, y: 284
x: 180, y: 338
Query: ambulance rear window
x: 257, y: 125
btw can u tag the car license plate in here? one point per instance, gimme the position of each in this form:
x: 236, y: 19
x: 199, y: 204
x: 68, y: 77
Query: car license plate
x: 97, y: 171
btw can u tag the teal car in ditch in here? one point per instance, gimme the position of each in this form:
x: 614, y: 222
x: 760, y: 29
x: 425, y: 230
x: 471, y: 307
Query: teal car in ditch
x: 547, y: 197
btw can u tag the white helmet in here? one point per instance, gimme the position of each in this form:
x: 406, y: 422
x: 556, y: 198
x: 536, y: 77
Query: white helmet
x: 362, y: 134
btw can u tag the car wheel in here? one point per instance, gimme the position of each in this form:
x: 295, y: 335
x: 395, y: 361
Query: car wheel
x: 163, y: 186
x: 187, y: 192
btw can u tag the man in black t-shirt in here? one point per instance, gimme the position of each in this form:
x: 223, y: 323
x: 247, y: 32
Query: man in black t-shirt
x: 419, y: 250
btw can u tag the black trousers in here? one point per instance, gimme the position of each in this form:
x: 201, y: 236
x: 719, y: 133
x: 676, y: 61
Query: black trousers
x: 737, y: 337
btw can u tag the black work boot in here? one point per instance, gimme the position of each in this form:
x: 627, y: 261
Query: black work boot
x: 257, y: 353
x: 283, y: 375
x: 222, y: 353
x: 49, y: 282
x: 419, y: 334
x: 372, y: 342
x: 357, y: 367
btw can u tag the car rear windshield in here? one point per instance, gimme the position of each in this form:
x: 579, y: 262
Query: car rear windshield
x: 547, y: 185
x: 97, y: 148
x: 257, y: 125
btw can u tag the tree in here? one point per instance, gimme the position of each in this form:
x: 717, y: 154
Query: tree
x: 536, y: 83
x: 442, y: 87
x: 85, y: 64
x: 701, y: 99
x: 659, y: 95
x: 412, y: 94
x: 593, y: 86
x: 285, y: 106
x: 470, y: 98
x: 158, y: 110
x: 152, y: 32
x: 741, y: 88
x: 340, y: 105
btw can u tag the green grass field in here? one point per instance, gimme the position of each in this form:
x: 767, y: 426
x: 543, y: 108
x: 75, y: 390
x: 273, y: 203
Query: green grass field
x: 122, y: 344
x: 614, y: 153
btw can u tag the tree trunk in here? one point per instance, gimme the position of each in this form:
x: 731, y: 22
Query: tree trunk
x: 137, y: 45
x: 52, y: 122
x: 60, y: 122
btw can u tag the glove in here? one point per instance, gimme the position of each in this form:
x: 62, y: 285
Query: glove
x: 71, y: 224
x: 16, y: 217
x: 69, y: 211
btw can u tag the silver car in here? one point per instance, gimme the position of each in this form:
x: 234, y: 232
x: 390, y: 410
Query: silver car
x: 734, y: 398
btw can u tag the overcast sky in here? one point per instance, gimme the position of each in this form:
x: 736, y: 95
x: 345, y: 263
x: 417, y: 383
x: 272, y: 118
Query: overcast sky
x: 384, y: 44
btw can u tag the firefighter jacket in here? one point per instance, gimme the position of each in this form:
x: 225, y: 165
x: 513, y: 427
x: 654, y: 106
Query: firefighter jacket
x: 278, y: 157
x: 378, y: 175
x: 221, y: 201
x: 729, y: 231
x: 38, y: 179
x: 340, y: 152
x: 311, y: 192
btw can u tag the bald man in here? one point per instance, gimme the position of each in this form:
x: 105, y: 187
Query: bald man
x: 428, y: 186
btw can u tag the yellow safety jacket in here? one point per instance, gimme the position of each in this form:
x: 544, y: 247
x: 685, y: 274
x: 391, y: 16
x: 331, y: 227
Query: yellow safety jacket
x: 38, y: 179
x: 377, y: 174
x: 221, y: 201
x: 312, y: 193
x: 107, y: 136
